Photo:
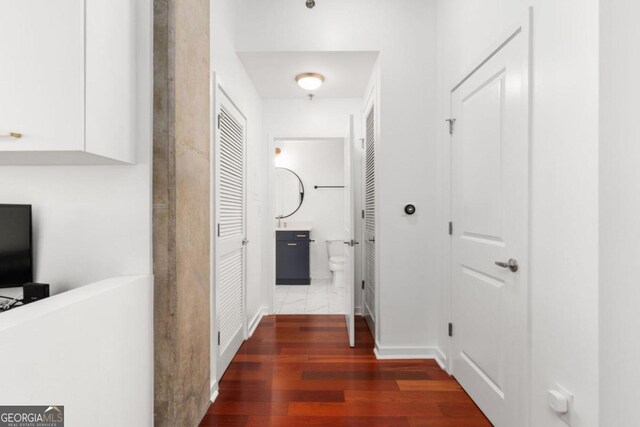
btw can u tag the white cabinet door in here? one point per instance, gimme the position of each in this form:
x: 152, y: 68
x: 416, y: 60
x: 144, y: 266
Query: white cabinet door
x: 110, y: 89
x: 42, y: 75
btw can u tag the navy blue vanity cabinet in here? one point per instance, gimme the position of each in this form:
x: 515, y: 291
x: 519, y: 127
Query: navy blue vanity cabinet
x: 292, y: 258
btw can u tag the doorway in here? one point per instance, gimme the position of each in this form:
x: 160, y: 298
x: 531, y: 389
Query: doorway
x: 308, y: 200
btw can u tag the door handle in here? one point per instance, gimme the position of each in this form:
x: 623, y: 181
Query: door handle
x: 352, y: 243
x: 512, y: 265
x: 15, y: 135
x: 372, y: 240
x: 245, y: 242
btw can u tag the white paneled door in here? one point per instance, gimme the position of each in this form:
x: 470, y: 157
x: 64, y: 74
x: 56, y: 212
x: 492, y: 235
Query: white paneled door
x: 349, y: 230
x: 230, y: 242
x: 490, y: 193
x: 370, y: 219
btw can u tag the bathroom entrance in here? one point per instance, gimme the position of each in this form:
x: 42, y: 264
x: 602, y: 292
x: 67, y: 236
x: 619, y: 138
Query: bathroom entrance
x: 314, y: 230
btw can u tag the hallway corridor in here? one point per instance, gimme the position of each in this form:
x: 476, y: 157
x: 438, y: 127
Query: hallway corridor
x: 298, y: 370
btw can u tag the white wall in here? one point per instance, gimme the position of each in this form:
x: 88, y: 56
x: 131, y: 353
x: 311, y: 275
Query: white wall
x: 301, y: 118
x: 564, y: 183
x: 93, y: 222
x: 235, y: 80
x: 404, y: 32
x: 318, y: 162
x: 90, y: 349
x: 619, y: 213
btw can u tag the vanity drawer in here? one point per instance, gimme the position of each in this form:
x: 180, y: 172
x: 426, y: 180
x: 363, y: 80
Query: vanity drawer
x: 284, y: 235
x: 301, y: 235
x: 292, y: 235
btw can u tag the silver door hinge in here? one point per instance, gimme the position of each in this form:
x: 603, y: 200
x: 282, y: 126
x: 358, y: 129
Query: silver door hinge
x: 450, y: 329
x: 450, y: 228
x: 452, y: 123
x: 363, y: 284
x: 362, y: 142
x: 218, y: 337
x: 362, y: 213
x: 218, y: 229
x: 219, y: 118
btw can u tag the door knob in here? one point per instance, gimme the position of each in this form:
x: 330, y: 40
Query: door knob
x: 245, y: 241
x: 512, y: 265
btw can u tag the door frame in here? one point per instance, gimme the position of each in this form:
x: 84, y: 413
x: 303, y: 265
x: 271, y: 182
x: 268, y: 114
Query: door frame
x: 525, y: 27
x: 216, y: 87
x: 269, y: 225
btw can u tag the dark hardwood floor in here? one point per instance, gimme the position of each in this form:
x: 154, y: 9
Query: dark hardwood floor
x: 298, y: 370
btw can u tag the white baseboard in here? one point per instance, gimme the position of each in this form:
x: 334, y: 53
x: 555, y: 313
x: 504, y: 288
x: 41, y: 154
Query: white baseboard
x: 214, y: 392
x: 358, y: 311
x: 382, y: 352
x: 441, y: 358
x: 256, y: 320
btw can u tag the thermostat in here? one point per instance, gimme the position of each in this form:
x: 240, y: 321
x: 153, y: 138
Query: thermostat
x: 409, y: 209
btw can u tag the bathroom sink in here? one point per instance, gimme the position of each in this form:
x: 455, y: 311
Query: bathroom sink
x: 294, y: 227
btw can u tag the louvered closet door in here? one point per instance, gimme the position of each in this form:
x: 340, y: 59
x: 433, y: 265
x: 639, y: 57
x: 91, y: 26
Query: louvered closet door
x: 370, y: 221
x: 230, y: 208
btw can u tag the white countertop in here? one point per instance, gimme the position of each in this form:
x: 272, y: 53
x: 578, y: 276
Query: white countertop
x: 294, y: 228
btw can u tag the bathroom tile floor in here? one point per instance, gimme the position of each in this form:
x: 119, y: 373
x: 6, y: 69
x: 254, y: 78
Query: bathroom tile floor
x: 318, y: 298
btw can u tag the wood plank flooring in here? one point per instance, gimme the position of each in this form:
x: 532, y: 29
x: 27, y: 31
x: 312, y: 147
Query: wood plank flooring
x: 298, y: 370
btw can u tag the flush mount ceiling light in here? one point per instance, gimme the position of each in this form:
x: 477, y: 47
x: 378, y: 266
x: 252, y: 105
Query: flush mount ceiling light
x: 311, y: 4
x: 310, y: 81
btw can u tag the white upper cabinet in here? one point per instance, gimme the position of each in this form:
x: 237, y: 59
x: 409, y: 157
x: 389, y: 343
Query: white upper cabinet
x: 67, y: 74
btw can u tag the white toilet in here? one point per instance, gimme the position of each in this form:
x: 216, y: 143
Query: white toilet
x: 335, y: 249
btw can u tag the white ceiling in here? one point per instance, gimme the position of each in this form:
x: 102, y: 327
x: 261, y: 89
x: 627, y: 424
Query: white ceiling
x: 273, y: 73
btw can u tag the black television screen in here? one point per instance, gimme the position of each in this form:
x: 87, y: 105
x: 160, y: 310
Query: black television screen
x: 16, y: 258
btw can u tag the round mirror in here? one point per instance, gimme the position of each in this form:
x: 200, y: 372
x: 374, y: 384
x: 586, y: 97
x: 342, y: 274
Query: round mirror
x: 289, y: 192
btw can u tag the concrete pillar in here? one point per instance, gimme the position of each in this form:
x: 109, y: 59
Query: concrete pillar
x: 181, y: 210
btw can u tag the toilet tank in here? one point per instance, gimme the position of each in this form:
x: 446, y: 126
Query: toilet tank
x: 335, y: 247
